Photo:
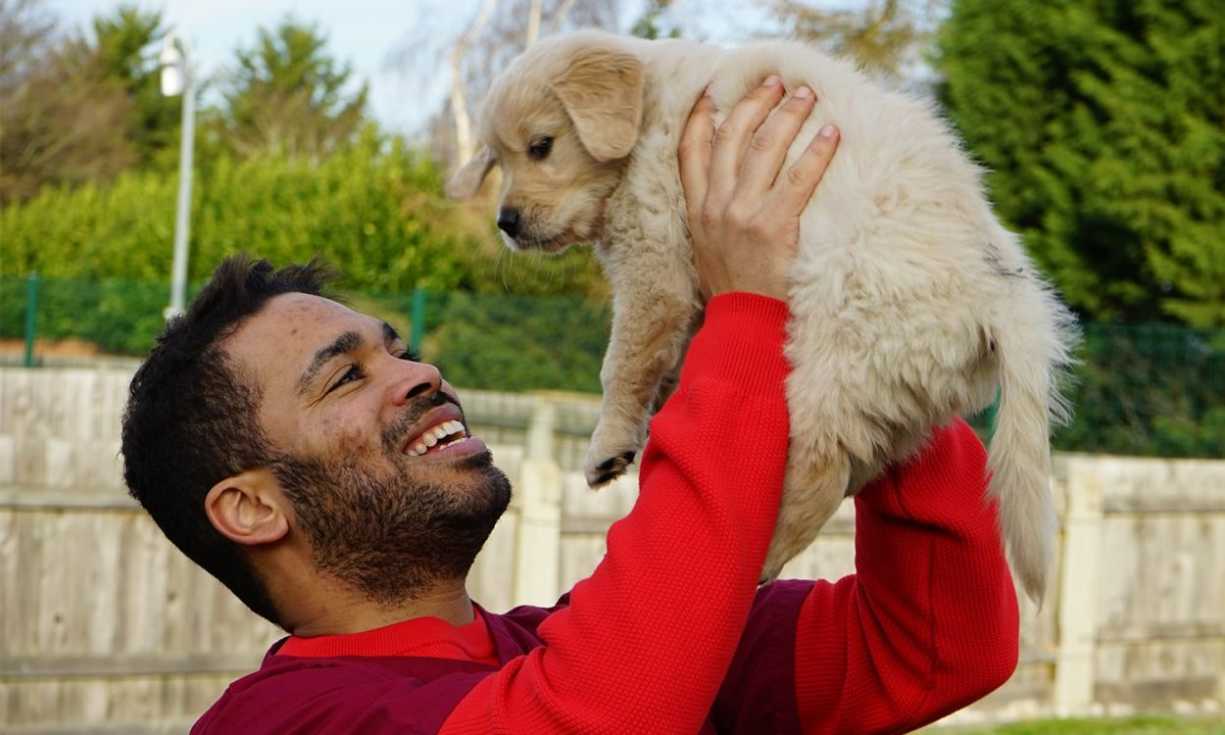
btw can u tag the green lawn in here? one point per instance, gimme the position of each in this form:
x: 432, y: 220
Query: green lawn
x: 1148, y: 725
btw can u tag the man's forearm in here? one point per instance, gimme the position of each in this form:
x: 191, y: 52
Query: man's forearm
x: 645, y: 641
x: 929, y: 621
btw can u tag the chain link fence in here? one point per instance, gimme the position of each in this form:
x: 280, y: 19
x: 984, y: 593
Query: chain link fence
x: 1148, y: 390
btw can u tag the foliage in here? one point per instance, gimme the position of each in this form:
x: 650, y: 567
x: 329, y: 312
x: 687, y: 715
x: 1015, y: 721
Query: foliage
x: 650, y: 24
x: 1101, y: 124
x: 373, y: 209
x: 119, y: 316
x: 62, y: 121
x: 1144, y: 390
x: 517, y: 343
x: 1148, y: 390
x: 125, y: 49
x: 882, y: 35
x: 289, y: 96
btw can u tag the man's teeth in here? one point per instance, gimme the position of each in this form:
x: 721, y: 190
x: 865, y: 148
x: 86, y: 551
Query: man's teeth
x: 431, y: 437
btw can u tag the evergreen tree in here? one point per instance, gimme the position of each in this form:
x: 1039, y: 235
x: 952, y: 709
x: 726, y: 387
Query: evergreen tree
x: 1101, y: 122
x: 288, y: 95
x: 125, y: 48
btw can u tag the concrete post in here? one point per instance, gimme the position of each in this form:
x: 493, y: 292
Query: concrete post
x: 1078, y: 590
x: 538, y: 546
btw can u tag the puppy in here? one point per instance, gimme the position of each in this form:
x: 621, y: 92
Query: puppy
x: 910, y: 303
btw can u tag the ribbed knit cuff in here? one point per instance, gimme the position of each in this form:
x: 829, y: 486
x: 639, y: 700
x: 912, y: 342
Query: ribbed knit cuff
x: 741, y: 339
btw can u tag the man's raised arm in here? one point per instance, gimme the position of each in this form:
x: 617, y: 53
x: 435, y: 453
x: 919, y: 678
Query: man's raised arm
x: 926, y: 625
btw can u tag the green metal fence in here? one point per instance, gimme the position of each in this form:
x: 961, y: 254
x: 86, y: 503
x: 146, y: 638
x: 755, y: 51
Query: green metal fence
x: 1139, y: 390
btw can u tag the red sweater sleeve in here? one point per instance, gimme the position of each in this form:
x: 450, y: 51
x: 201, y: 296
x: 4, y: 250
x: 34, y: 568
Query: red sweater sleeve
x: 646, y: 640
x: 928, y: 623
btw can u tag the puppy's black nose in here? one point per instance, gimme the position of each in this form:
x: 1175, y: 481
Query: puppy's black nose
x: 508, y: 221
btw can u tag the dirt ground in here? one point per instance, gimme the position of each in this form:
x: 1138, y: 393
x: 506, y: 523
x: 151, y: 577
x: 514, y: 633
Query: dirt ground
x: 50, y: 348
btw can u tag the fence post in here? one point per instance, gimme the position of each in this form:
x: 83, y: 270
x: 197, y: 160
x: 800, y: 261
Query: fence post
x: 1078, y: 588
x: 538, y: 552
x: 414, y: 339
x: 32, y: 284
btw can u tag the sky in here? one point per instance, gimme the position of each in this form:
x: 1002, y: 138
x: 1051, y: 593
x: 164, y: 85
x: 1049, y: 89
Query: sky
x: 365, y: 33
x: 361, y: 32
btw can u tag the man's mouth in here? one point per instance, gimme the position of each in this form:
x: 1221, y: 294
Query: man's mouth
x: 436, y: 438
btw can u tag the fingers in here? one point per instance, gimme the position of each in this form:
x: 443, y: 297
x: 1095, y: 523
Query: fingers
x: 769, y: 146
x: 733, y: 136
x: 694, y: 152
x: 795, y: 186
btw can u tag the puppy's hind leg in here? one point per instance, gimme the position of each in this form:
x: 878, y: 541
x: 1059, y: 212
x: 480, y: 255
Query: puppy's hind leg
x: 814, y: 486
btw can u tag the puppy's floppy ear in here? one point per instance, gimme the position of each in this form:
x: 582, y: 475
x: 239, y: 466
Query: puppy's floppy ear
x: 466, y: 182
x: 601, y: 90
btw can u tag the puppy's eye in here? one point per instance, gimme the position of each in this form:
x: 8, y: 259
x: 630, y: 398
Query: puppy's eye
x: 540, y: 147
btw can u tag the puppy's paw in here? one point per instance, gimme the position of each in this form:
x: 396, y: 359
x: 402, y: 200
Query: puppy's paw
x: 770, y: 573
x: 779, y: 554
x: 601, y: 472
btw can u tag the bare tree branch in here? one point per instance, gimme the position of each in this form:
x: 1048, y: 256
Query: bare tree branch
x: 533, y: 23
x: 459, y: 105
x: 475, y: 55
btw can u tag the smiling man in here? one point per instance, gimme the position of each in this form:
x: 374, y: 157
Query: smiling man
x: 292, y: 447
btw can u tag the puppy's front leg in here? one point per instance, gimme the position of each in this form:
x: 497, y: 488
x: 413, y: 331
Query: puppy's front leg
x: 653, y: 318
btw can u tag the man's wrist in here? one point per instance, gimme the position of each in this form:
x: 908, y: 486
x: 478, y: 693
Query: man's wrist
x: 741, y: 338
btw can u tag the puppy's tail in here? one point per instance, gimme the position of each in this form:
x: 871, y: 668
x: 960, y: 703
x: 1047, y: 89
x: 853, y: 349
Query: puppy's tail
x: 1034, y: 349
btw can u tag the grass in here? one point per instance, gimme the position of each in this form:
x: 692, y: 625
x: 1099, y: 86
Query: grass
x: 1146, y: 725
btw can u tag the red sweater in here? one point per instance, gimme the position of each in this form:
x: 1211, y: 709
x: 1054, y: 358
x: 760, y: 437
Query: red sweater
x: 670, y: 633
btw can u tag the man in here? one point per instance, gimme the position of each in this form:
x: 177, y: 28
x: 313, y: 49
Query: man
x: 294, y: 449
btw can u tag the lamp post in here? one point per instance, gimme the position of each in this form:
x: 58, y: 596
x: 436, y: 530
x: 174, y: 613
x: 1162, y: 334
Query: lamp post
x: 177, y: 78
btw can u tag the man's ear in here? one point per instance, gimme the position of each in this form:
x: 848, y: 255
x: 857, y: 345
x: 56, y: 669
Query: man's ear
x: 249, y: 508
x: 466, y: 182
x: 601, y: 90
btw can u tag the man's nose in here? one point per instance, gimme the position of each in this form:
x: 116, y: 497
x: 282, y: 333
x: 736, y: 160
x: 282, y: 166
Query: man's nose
x: 508, y: 221
x: 420, y: 379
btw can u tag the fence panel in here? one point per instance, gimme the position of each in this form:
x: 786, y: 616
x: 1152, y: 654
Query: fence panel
x: 104, y: 624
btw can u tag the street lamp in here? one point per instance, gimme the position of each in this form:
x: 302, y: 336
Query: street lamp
x: 177, y: 78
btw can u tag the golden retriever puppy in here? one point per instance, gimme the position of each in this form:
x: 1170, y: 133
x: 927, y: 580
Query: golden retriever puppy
x: 910, y: 303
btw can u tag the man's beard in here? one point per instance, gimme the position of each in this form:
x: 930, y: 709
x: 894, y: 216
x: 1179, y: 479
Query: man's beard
x: 394, y: 537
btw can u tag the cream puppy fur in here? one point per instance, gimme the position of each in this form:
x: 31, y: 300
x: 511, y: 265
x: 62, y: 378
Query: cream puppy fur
x: 910, y: 303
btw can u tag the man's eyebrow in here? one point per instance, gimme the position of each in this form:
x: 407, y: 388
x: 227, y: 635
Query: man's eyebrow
x: 344, y: 344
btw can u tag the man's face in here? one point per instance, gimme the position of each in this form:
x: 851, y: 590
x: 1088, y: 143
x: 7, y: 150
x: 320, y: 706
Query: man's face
x: 348, y: 417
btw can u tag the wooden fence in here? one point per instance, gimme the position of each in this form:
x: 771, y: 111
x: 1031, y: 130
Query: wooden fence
x: 105, y: 627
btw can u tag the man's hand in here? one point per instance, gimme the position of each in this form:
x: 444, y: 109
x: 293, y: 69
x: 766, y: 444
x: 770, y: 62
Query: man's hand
x: 744, y: 217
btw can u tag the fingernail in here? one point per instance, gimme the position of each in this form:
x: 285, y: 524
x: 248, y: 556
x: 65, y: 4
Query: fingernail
x: 829, y: 131
x: 706, y: 92
x: 772, y: 81
x: 803, y: 93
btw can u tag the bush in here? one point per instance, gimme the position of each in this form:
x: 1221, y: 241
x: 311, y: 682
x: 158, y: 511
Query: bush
x: 374, y: 210
x: 518, y: 343
x: 1148, y: 390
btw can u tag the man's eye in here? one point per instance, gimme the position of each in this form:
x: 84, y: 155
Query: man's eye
x: 539, y: 149
x: 353, y: 373
x: 410, y: 356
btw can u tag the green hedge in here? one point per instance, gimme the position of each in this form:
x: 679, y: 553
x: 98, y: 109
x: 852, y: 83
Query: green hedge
x: 119, y: 316
x: 374, y: 210
x: 517, y: 343
x: 1148, y: 390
